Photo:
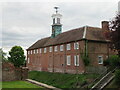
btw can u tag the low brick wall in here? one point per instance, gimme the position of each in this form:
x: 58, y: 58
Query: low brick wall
x: 11, y: 73
x: 96, y: 69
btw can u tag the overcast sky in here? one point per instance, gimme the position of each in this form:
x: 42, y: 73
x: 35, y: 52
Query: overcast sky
x: 23, y: 23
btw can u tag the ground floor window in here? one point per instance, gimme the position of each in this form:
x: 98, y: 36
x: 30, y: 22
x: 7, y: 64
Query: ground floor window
x: 100, y: 59
x: 68, y: 59
x: 76, y: 60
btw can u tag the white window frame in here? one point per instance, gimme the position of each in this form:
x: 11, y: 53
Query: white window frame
x: 76, y: 45
x: 50, y: 49
x: 45, y: 50
x: 100, y: 59
x: 61, y: 47
x: 31, y: 51
x: 76, y: 60
x: 68, y: 60
x: 40, y: 50
x: 56, y: 48
x: 34, y: 51
x: 28, y: 60
x: 68, y: 46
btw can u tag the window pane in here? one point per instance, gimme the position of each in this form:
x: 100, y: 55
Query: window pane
x: 40, y: 50
x: 68, y: 60
x: 61, y: 47
x: 55, y: 48
x: 68, y: 47
x: 100, y: 60
x: 50, y: 49
x: 44, y: 50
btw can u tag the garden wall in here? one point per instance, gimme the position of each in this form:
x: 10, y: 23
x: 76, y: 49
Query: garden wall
x: 11, y: 73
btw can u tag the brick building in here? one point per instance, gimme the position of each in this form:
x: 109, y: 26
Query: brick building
x: 62, y: 52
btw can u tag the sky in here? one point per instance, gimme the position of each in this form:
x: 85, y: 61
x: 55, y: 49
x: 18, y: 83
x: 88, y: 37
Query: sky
x: 23, y: 23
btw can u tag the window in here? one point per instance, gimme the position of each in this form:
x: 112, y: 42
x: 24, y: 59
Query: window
x: 76, y: 60
x: 76, y: 45
x: 68, y: 60
x: 28, y: 60
x: 61, y: 47
x: 55, y: 48
x: 37, y: 51
x: 40, y: 50
x: 31, y: 51
x: 54, y: 21
x: 34, y: 52
x: 58, y: 20
x: 100, y: 60
x: 28, y: 52
x: 50, y: 49
x: 45, y: 50
x: 68, y: 47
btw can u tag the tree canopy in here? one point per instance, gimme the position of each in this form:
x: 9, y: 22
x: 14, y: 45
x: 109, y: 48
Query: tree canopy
x: 115, y: 33
x: 2, y: 55
x: 17, y: 56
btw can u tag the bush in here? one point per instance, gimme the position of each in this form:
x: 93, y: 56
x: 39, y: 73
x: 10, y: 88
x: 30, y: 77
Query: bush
x: 117, y: 77
x: 86, y: 60
x: 113, y: 61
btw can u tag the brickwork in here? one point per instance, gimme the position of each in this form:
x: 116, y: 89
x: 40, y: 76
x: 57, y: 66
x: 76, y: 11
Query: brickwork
x: 10, y: 73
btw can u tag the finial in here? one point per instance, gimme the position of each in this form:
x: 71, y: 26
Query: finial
x: 56, y: 9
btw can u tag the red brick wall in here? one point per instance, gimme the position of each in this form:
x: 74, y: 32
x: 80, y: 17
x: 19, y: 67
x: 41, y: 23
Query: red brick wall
x: 56, y: 61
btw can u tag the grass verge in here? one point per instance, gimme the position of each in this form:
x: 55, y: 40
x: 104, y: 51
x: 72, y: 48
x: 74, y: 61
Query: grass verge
x: 18, y: 84
x: 62, y: 80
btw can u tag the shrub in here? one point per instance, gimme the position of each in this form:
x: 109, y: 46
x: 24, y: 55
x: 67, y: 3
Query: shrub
x: 113, y: 61
x: 86, y: 60
x: 117, y: 77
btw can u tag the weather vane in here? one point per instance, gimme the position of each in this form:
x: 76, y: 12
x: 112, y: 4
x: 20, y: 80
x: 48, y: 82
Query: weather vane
x: 56, y: 9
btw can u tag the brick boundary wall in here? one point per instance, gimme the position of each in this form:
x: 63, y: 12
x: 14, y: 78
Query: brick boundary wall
x: 11, y: 73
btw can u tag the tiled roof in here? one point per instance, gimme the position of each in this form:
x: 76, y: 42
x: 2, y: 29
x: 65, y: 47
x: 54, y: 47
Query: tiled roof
x: 91, y: 33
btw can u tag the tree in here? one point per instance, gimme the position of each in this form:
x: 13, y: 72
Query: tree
x: 2, y: 55
x: 115, y: 33
x: 17, y: 56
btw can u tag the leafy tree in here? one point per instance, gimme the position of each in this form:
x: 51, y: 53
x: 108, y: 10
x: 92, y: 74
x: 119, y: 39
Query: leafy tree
x: 2, y: 55
x: 115, y: 33
x: 17, y: 56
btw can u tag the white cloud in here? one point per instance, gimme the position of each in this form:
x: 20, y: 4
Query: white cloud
x: 23, y: 23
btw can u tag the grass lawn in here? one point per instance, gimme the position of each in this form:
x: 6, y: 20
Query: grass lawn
x: 19, y: 84
x: 60, y: 80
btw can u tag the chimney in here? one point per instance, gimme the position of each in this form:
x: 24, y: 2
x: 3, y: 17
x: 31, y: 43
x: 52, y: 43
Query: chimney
x: 105, y: 25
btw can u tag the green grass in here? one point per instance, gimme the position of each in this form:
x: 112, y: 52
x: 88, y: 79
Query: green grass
x: 62, y: 80
x: 19, y: 84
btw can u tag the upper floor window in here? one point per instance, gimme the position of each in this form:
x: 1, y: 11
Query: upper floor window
x: 50, y: 49
x: 68, y: 47
x: 76, y: 60
x: 28, y: 52
x: 68, y: 59
x: 61, y: 47
x: 100, y: 60
x: 31, y: 51
x: 40, y: 50
x: 45, y: 50
x: 34, y: 52
x: 76, y: 45
x: 55, y: 49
